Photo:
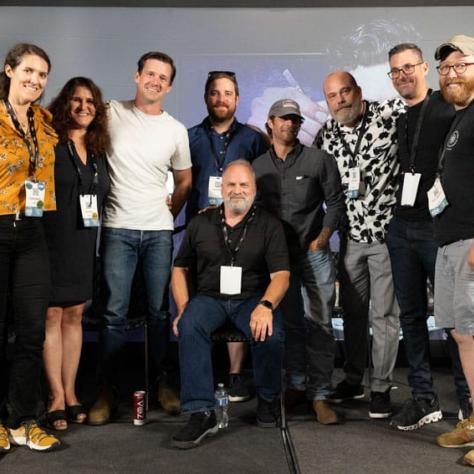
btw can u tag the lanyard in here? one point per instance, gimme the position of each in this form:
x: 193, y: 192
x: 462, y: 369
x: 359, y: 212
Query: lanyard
x: 444, y: 149
x: 74, y: 158
x: 233, y: 253
x: 362, y: 130
x: 416, y: 136
x: 218, y: 158
x: 33, y: 149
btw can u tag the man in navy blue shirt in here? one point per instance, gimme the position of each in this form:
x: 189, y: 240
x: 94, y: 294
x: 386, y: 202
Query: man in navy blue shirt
x: 215, y: 142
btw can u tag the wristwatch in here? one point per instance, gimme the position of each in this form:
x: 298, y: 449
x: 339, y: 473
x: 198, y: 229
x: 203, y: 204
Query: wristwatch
x: 266, y: 303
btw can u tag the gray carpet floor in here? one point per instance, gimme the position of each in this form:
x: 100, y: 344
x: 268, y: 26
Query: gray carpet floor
x: 356, y: 446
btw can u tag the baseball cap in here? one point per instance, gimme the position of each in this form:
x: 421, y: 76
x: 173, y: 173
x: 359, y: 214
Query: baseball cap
x: 462, y: 43
x: 284, y: 107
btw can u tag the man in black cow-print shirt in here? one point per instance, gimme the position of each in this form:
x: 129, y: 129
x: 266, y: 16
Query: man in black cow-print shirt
x: 361, y: 136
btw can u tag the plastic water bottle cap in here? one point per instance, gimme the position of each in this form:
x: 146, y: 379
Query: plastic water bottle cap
x: 220, y: 385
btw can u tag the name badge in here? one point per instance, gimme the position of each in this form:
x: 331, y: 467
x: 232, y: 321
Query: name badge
x: 411, y: 182
x: 90, y: 215
x: 231, y: 280
x: 356, y: 186
x: 215, y: 190
x: 437, y: 201
x: 34, y: 198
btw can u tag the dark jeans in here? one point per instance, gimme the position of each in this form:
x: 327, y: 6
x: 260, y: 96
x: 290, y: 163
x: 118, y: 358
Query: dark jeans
x: 413, y: 255
x: 24, y: 272
x: 203, y: 315
x: 122, y: 252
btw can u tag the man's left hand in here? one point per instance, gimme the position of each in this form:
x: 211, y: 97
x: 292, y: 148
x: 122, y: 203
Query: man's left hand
x: 317, y: 244
x: 261, y: 322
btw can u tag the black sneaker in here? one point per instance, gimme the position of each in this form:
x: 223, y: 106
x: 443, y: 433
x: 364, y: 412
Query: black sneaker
x: 380, y: 405
x: 238, y: 391
x: 416, y: 413
x: 465, y: 409
x: 346, y: 391
x: 268, y: 413
x: 199, y: 426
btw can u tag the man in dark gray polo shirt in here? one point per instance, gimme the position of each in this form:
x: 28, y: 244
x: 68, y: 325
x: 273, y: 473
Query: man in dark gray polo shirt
x: 293, y: 182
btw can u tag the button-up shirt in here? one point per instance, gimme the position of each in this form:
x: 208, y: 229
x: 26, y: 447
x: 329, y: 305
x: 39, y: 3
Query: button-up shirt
x: 377, y: 160
x: 212, y: 151
x: 294, y: 189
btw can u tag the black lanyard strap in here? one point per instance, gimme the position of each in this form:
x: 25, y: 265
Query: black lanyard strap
x: 363, y: 128
x: 234, y: 252
x: 218, y: 159
x: 416, y: 136
x: 33, y: 148
x: 75, y: 161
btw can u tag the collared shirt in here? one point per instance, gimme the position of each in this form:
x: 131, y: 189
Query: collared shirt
x: 369, y: 215
x: 263, y: 251
x: 212, y: 151
x: 15, y: 159
x: 295, y: 189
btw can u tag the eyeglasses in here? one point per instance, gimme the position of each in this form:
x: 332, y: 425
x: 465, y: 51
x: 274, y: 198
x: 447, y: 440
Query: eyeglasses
x: 459, y: 68
x: 407, y: 69
x: 218, y: 73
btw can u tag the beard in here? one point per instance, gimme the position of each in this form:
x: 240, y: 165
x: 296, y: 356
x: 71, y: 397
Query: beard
x: 461, y: 94
x: 238, y: 206
x: 349, y: 114
x: 221, y: 113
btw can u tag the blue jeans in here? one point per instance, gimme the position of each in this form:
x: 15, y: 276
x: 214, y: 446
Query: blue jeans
x: 202, y: 316
x: 307, y: 311
x: 123, y: 250
x: 413, y: 255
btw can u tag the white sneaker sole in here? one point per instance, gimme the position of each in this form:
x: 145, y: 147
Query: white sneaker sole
x: 340, y: 400
x: 195, y: 442
x: 379, y: 416
x: 432, y: 417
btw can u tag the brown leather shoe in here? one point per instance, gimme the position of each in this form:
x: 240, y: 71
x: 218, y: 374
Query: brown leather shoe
x: 100, y: 412
x: 324, y: 413
x: 168, y: 399
x: 294, y: 398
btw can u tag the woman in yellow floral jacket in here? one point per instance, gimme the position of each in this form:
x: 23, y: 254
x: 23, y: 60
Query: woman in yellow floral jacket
x: 26, y: 191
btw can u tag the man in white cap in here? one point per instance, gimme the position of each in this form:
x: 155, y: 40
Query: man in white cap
x: 451, y: 202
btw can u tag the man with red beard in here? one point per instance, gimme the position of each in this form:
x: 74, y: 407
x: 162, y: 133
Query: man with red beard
x: 451, y: 202
x: 410, y: 240
x: 214, y: 143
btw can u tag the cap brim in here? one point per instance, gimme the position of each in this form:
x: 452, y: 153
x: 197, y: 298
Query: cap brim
x: 444, y: 50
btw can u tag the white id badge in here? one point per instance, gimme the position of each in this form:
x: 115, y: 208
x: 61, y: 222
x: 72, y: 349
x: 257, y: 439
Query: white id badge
x: 410, y: 188
x: 355, y: 185
x: 437, y: 201
x: 231, y: 280
x: 90, y: 216
x: 214, y: 190
x: 34, y: 198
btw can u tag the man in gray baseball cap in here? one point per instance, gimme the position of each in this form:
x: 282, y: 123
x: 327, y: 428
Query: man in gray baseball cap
x: 293, y: 182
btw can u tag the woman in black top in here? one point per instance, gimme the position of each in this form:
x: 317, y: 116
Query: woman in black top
x: 79, y: 117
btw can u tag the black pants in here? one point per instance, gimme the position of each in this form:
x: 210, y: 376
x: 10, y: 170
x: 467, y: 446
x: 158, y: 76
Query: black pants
x: 24, y: 275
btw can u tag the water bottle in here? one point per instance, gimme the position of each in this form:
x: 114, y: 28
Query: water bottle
x: 222, y: 405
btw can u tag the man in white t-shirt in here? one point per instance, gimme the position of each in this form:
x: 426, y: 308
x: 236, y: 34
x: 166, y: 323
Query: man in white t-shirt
x: 146, y: 143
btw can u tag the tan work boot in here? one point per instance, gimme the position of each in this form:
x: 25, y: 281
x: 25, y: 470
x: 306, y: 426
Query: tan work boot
x: 324, y: 413
x: 4, y: 441
x: 100, y: 412
x: 168, y: 399
x: 469, y: 457
x: 462, y: 435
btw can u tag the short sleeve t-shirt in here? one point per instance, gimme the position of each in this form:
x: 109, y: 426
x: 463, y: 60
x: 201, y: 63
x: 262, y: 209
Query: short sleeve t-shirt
x: 143, y: 149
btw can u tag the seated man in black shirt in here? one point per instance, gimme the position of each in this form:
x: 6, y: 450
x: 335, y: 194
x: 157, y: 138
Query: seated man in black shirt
x: 241, y: 260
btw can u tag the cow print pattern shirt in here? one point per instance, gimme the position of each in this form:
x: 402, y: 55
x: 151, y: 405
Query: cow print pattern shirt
x: 368, y: 215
